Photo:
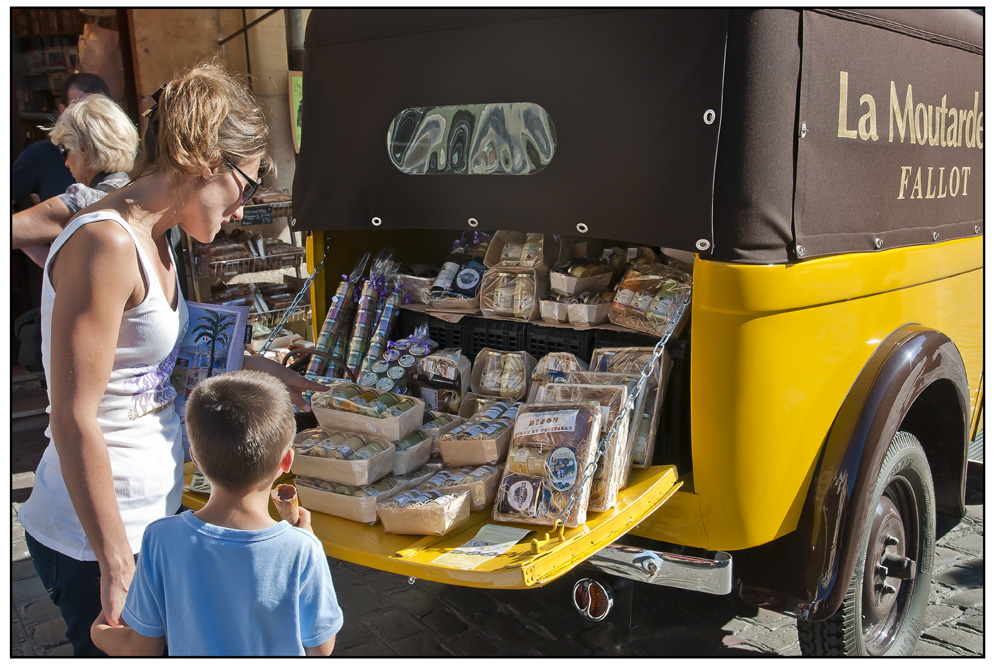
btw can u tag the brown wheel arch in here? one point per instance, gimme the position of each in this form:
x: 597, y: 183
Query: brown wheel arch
x: 915, y: 381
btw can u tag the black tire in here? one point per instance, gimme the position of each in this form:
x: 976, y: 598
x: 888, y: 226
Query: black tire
x: 873, y: 620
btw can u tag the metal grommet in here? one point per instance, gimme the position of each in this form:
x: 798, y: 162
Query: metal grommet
x: 878, y: 243
x: 803, y: 130
x: 411, y: 580
x: 709, y: 117
x: 703, y: 245
x: 977, y: 229
x: 936, y: 236
x: 800, y: 251
x: 472, y: 222
x: 582, y: 227
x: 293, y: 221
x: 376, y: 221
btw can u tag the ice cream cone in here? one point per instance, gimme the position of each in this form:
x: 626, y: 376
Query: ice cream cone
x: 285, y: 499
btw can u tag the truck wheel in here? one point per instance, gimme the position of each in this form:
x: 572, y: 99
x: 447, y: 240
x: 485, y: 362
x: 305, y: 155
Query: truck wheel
x: 885, y: 604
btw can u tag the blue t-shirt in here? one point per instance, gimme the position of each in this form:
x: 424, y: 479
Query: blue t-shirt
x: 40, y: 169
x: 222, y: 592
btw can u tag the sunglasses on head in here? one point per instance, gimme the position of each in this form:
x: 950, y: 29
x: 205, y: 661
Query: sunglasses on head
x: 250, y: 185
x: 64, y: 151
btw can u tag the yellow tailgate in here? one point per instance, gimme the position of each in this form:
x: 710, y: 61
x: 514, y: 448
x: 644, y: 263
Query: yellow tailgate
x: 517, y: 568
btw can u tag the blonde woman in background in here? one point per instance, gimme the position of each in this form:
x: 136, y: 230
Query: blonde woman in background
x: 112, y: 318
x: 99, y: 143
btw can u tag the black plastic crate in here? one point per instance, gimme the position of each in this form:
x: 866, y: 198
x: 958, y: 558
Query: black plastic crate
x: 496, y: 334
x: 544, y: 339
x: 617, y: 338
x: 446, y: 335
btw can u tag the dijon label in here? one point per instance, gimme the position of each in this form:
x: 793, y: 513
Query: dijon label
x: 546, y: 422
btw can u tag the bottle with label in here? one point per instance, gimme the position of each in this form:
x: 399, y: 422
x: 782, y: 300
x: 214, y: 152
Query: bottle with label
x: 337, y: 397
x: 467, y: 283
x: 660, y: 309
x: 400, y: 407
x: 504, y: 294
x: 458, y: 258
x: 523, y: 300
x: 490, y: 378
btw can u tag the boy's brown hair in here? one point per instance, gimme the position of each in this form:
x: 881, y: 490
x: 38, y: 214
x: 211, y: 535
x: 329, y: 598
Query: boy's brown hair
x: 239, y: 425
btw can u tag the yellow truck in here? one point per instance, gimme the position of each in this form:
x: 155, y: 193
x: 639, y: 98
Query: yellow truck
x: 825, y: 169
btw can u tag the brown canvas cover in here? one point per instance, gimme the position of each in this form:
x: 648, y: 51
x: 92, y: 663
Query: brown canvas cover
x: 893, y: 155
x: 627, y: 90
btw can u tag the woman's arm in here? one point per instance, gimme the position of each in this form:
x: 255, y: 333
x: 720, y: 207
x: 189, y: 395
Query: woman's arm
x: 39, y: 224
x: 94, y: 274
x: 296, y: 383
x: 124, y: 641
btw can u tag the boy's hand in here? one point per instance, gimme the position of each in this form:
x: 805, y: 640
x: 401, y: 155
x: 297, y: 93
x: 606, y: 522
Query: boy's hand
x: 305, y: 519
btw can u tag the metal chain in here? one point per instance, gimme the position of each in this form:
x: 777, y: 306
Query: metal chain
x: 293, y: 306
x: 629, y: 404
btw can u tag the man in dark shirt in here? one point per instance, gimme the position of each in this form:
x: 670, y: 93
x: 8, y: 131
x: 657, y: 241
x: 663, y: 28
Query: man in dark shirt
x: 41, y: 169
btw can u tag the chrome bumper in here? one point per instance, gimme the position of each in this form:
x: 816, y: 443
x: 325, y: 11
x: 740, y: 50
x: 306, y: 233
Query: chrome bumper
x: 674, y: 570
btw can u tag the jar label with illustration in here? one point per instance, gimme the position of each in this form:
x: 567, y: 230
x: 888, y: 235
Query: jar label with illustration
x: 380, y: 366
x: 467, y: 279
x: 391, y: 355
x: 385, y: 384
x: 546, y: 422
x: 406, y: 360
x: 561, y: 468
x: 395, y: 372
x: 368, y: 379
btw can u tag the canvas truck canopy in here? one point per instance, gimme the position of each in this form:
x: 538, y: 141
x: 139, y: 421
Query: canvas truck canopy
x: 628, y: 100
x: 755, y: 136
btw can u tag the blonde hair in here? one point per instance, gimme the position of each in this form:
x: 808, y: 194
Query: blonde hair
x: 98, y: 124
x: 239, y: 424
x: 204, y: 118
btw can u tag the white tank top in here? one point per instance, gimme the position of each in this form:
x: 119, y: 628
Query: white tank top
x: 135, y: 414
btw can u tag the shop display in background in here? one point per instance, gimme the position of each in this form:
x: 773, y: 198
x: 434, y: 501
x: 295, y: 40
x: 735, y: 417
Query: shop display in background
x: 397, y: 369
x: 238, y: 251
x: 335, y: 319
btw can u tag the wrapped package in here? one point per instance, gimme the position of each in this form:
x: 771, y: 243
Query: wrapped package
x: 525, y: 250
x: 348, y: 407
x: 341, y: 457
x: 481, y: 481
x: 381, y: 335
x: 397, y: 369
x: 444, y: 377
x: 553, y: 368
x: 632, y: 360
x: 334, y: 319
x: 547, y: 475
x: 648, y: 297
x: 513, y: 293
x: 629, y: 382
x: 612, y: 471
x: 431, y: 513
x: 502, y: 373
x: 358, y: 504
x: 482, y: 439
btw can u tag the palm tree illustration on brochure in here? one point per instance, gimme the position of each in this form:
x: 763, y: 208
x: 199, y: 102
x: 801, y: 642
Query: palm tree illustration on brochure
x: 214, y: 328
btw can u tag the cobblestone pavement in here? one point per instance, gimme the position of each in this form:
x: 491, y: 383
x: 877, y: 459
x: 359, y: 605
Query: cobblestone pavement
x: 387, y: 616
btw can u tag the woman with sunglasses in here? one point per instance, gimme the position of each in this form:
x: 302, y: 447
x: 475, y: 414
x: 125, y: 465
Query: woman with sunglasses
x: 112, y: 318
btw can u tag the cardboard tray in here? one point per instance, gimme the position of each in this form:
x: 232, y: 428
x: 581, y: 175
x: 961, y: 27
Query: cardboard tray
x: 584, y: 316
x: 474, y: 452
x: 391, y: 429
x: 359, y: 472
x: 482, y: 492
x: 428, y: 519
x: 355, y: 508
x: 413, y: 457
x: 567, y: 285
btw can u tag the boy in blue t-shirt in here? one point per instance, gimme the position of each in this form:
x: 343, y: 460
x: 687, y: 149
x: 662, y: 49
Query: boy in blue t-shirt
x: 227, y: 580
